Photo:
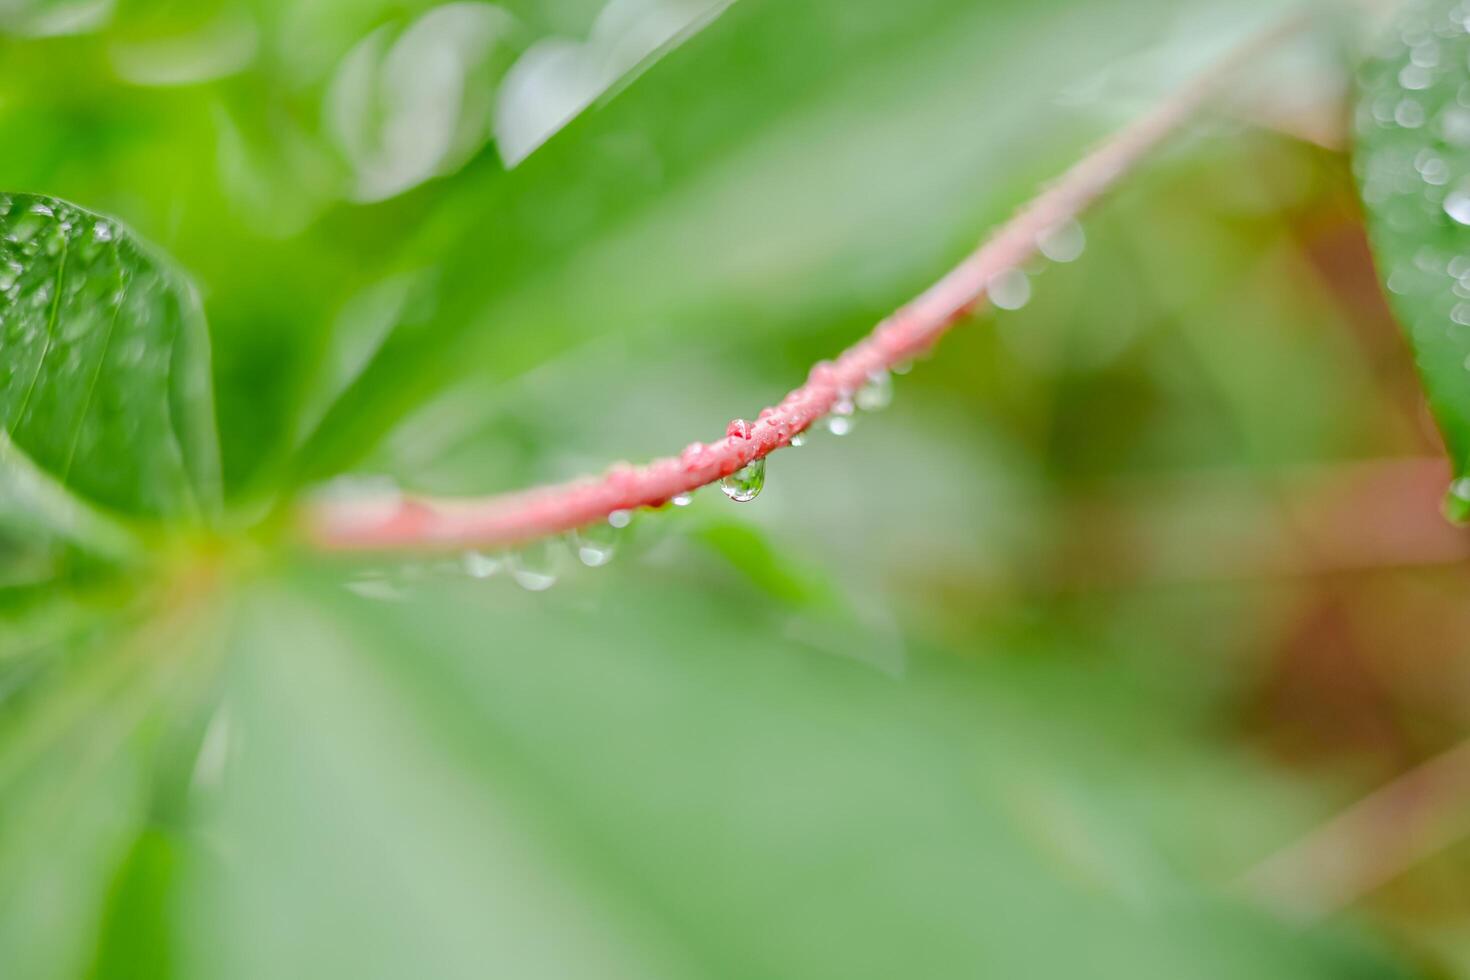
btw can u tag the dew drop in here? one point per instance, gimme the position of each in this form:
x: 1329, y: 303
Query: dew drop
x: 838, y: 425
x: 597, y: 543
x: 1433, y: 169
x: 1010, y: 290
x: 537, y: 565
x: 1415, y: 77
x: 27, y: 226
x: 745, y: 484
x: 1064, y: 243
x: 877, y: 393
x: 1454, y: 126
x: 692, y: 455
x: 1457, y: 502
x: 738, y: 429
x: 1409, y: 114
x: 840, y: 421
x: 1457, y: 205
x: 477, y: 564
x: 903, y: 367
x: 682, y: 499
x: 799, y: 439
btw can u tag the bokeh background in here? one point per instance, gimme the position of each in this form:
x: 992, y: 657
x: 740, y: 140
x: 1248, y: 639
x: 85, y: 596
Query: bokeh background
x: 1067, y: 664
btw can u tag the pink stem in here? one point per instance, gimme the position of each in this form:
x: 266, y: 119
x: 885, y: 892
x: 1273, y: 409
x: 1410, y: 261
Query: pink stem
x: 421, y: 523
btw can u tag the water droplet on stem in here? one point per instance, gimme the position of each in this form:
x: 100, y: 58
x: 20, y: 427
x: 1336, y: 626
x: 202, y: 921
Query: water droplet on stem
x: 1010, y: 290
x: 745, y: 484
x: 877, y: 393
x: 1063, y: 243
x: 477, y: 564
x: 537, y: 565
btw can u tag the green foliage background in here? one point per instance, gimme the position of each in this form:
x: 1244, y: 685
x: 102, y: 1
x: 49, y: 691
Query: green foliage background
x: 1012, y: 681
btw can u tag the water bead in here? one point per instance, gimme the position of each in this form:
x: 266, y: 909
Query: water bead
x: 1457, y: 205
x: 877, y: 393
x: 838, y: 425
x: 477, y: 564
x: 745, y: 484
x: 693, y: 454
x: 537, y: 565
x: 595, y: 543
x: 682, y: 499
x: 1457, y: 502
x: 1064, y: 243
x: 1010, y: 290
x: 738, y: 429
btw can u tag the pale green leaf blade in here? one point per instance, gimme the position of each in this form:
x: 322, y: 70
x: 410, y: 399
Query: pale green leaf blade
x: 467, y: 783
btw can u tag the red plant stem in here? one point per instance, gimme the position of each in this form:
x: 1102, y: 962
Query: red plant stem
x: 420, y: 523
x: 1417, y: 815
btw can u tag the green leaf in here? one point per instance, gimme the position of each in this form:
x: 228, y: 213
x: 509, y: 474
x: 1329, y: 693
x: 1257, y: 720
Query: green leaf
x: 467, y: 783
x: 105, y: 383
x: 1412, y: 160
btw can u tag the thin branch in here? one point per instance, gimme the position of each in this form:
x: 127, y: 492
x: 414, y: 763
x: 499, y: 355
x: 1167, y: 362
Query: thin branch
x: 1378, y: 838
x: 420, y: 523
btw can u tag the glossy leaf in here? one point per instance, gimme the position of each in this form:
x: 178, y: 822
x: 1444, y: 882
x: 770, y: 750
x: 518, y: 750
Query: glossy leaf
x: 105, y: 383
x: 1412, y: 123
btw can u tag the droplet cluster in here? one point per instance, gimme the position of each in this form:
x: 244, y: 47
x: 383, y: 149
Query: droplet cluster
x: 536, y: 566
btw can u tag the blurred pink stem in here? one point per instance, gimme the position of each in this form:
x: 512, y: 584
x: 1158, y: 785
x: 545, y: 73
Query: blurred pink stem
x: 1417, y: 815
x: 420, y: 523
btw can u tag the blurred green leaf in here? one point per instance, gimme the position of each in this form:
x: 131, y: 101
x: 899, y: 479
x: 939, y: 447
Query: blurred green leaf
x: 1413, y: 165
x: 465, y: 782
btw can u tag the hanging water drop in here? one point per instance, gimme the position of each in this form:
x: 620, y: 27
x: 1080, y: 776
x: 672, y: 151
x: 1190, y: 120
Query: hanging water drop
x: 1457, y: 502
x: 840, y: 421
x: 839, y: 425
x: 1064, y: 243
x: 477, y: 564
x: 536, y: 566
x: 799, y: 439
x: 596, y: 543
x: 877, y: 393
x: 682, y: 499
x: 1010, y: 290
x: 745, y: 484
